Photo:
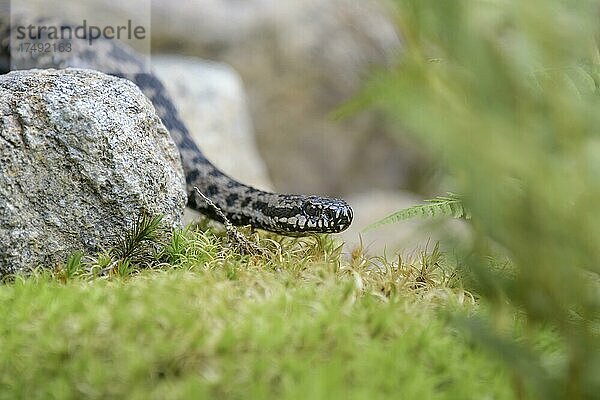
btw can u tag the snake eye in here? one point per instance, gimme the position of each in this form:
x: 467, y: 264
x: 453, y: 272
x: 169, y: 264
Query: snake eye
x: 311, y: 210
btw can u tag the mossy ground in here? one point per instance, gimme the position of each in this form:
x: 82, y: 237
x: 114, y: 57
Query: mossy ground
x: 301, y: 321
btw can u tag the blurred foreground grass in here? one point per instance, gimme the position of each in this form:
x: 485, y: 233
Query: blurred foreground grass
x: 300, y: 322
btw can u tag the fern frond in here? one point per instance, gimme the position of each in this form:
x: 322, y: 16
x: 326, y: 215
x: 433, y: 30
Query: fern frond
x: 449, y: 206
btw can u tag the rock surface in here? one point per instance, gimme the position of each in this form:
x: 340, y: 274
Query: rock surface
x: 82, y: 154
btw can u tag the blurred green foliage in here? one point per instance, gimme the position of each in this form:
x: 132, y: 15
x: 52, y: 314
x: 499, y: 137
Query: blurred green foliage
x: 296, y: 322
x: 507, y: 94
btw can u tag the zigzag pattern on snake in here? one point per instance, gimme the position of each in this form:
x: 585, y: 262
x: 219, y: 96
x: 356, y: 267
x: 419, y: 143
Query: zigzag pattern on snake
x: 241, y: 204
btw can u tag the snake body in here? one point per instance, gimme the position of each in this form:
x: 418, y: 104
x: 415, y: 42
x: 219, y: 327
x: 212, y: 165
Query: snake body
x: 240, y: 203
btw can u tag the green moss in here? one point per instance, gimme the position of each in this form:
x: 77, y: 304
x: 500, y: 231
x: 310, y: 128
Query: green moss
x: 300, y: 322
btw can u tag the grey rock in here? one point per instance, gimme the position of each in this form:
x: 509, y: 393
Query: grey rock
x: 82, y: 155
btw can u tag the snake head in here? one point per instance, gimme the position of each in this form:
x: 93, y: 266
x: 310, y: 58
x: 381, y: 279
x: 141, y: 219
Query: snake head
x: 313, y: 214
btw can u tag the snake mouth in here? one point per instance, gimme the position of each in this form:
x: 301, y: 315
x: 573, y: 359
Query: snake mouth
x: 314, y: 215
